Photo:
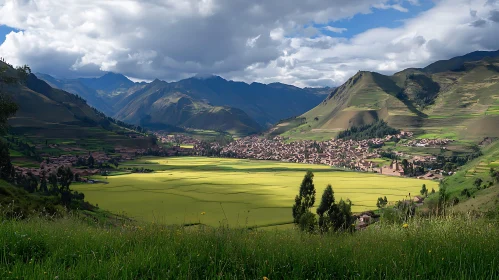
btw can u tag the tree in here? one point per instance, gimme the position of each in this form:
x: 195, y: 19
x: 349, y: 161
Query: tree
x: 342, y: 218
x: 43, y: 184
x: 478, y: 182
x: 424, y: 190
x: 443, y: 197
x: 327, y: 201
x: 23, y: 72
x: 304, y: 201
x: 91, y: 161
x: 65, y: 178
x: 381, y: 202
x: 54, y: 187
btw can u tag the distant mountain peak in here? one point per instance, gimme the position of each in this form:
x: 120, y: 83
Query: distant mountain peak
x: 207, y: 77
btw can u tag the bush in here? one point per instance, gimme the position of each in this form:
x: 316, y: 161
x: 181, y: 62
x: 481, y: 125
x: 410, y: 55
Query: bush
x: 307, y: 222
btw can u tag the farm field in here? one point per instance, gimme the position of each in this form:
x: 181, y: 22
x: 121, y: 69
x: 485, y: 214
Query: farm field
x: 233, y: 191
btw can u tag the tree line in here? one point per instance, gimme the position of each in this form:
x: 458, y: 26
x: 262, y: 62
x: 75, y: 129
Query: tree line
x: 377, y: 129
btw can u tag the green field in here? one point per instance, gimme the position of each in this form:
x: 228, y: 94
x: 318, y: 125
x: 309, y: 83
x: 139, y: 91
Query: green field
x: 233, y: 191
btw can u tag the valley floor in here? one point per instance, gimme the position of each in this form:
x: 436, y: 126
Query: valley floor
x: 237, y: 192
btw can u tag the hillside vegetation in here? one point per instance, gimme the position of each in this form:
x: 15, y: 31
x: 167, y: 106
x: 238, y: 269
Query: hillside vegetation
x: 46, y: 113
x: 457, y: 97
x: 447, y: 248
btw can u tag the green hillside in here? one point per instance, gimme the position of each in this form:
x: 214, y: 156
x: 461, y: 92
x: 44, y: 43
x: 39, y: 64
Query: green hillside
x: 48, y: 114
x: 458, y: 98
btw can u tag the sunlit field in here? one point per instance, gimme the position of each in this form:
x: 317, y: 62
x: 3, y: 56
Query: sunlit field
x: 216, y: 191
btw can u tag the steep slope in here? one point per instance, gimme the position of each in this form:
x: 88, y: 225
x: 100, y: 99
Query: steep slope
x: 49, y: 113
x: 75, y: 86
x: 162, y: 105
x: 267, y: 104
x: 456, y: 98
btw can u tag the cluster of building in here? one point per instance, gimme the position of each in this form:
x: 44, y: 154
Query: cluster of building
x: 351, y: 154
x: 179, y: 139
x: 428, y: 142
x: 52, y: 163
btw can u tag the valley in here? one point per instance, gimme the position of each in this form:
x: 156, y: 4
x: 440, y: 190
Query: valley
x: 236, y: 192
x: 184, y: 165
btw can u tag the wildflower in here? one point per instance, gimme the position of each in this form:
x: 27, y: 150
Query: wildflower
x: 405, y: 225
x: 429, y: 251
x: 202, y: 213
x: 265, y: 278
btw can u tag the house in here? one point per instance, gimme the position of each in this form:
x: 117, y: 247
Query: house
x: 418, y: 199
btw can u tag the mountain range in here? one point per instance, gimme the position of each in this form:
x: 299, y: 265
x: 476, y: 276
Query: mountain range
x: 201, y: 102
x: 456, y: 98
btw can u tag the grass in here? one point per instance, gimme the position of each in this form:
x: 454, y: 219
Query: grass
x: 446, y: 248
x: 449, y: 135
x: 239, y: 192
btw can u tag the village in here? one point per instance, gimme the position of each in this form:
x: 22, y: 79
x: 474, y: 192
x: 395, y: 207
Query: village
x: 362, y: 155
x: 357, y: 155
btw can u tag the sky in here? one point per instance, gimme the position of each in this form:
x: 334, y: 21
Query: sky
x: 304, y: 43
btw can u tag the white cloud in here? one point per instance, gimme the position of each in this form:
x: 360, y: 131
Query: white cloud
x: 258, y: 40
x: 397, y: 7
x: 335, y: 29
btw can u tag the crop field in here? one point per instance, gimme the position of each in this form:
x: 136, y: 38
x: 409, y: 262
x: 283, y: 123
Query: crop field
x: 233, y: 191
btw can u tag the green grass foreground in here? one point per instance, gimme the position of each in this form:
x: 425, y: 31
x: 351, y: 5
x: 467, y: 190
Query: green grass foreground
x: 443, y: 248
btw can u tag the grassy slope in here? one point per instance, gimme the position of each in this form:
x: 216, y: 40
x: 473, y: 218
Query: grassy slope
x: 452, y: 248
x: 18, y: 201
x: 50, y: 114
x: 484, y: 199
x: 465, y: 103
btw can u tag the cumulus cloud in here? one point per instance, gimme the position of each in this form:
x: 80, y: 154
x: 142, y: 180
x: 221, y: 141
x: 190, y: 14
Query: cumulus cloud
x: 265, y: 41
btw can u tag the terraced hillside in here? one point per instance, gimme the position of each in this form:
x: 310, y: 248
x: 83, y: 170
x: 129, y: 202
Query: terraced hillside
x: 46, y: 113
x: 458, y: 98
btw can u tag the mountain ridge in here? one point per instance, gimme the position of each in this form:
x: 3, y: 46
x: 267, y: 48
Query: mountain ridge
x: 453, y: 97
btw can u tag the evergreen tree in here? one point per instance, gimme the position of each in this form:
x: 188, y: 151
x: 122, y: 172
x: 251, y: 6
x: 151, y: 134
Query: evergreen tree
x: 304, y: 201
x: 91, y: 161
x: 342, y: 216
x: 43, y: 185
x: 424, y: 190
x: 327, y: 201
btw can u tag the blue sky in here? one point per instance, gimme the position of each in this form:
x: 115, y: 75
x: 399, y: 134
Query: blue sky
x: 389, y: 18
x: 4, y: 30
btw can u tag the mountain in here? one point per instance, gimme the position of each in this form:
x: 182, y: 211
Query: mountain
x: 457, y: 98
x: 76, y: 86
x: 110, y: 83
x: 49, y: 113
x: 155, y: 104
x: 162, y: 105
x: 267, y: 104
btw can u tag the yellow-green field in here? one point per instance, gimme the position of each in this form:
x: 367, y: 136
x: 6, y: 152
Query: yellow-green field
x: 238, y: 192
